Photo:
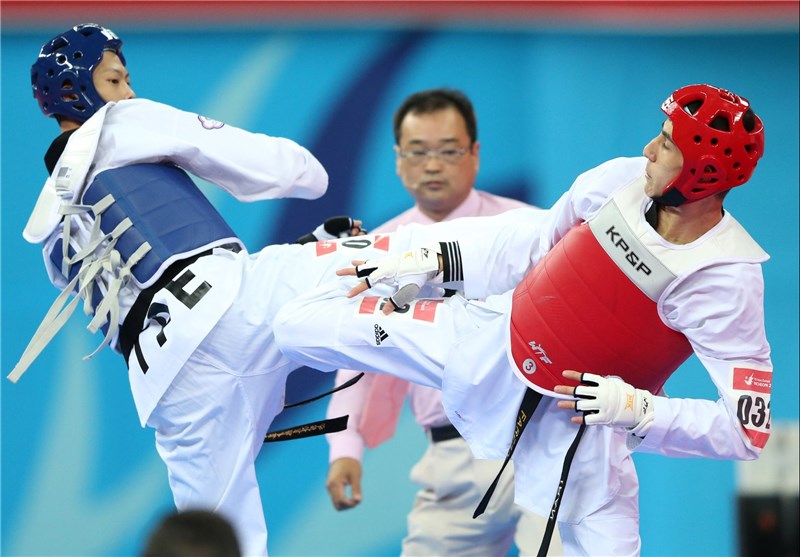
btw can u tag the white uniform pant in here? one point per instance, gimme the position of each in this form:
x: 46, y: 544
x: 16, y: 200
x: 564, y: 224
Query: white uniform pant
x: 326, y: 330
x: 452, y: 484
x: 210, y: 427
x: 213, y: 414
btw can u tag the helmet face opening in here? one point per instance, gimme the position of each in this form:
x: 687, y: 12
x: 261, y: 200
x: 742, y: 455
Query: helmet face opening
x: 720, y: 138
x: 61, y: 77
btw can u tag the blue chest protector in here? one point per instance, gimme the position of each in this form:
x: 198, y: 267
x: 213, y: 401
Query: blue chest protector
x: 167, y: 210
x: 147, y: 216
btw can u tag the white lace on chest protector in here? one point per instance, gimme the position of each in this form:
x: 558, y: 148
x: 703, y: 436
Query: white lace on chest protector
x: 98, y: 256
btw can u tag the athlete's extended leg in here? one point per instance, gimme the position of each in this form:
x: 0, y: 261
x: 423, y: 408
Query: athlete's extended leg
x: 326, y: 330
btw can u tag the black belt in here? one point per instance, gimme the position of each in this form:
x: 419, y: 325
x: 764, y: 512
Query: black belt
x: 132, y: 326
x: 528, y: 406
x: 444, y: 433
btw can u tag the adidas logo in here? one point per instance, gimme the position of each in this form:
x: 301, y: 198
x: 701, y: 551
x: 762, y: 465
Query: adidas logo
x: 380, y: 335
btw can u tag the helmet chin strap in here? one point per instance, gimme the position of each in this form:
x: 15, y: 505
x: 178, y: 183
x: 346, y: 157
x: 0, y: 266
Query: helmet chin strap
x: 672, y: 198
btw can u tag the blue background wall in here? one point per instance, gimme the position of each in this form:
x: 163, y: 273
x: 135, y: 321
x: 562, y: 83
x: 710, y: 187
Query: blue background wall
x: 80, y: 477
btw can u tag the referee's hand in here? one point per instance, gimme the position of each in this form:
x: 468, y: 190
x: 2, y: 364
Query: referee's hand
x: 344, y: 473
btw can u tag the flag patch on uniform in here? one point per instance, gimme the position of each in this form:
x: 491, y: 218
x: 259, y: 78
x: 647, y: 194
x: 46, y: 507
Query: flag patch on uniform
x: 418, y: 310
x: 425, y: 310
x: 325, y: 247
x: 368, y: 304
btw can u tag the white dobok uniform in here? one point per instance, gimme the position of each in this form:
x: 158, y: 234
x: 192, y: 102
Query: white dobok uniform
x: 451, y: 481
x: 208, y: 378
x: 461, y: 346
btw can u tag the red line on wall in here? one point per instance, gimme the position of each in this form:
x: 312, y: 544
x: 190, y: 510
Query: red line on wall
x: 639, y: 13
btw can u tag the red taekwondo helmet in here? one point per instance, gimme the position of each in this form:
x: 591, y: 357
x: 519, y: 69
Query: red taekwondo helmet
x: 61, y: 77
x: 720, y: 138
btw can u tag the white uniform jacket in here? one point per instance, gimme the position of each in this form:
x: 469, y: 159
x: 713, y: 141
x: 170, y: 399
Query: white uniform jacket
x: 718, y: 308
x: 249, y: 166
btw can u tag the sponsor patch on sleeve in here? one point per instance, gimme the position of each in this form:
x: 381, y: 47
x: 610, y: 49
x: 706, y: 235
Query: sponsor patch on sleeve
x: 752, y: 388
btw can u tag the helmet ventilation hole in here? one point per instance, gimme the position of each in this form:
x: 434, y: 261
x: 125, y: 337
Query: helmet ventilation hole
x: 720, y: 122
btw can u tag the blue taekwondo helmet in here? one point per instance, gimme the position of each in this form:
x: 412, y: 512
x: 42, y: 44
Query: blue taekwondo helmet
x: 61, y: 77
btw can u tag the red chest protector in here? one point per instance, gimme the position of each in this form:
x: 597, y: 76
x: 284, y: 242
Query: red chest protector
x: 577, y: 309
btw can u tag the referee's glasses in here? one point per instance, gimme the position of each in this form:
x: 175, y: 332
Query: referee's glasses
x: 450, y: 155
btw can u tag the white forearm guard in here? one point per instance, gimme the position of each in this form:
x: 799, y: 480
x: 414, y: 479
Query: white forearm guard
x: 410, y: 270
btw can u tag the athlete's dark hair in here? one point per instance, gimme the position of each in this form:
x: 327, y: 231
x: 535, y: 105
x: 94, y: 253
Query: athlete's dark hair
x: 433, y: 100
x: 193, y: 533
